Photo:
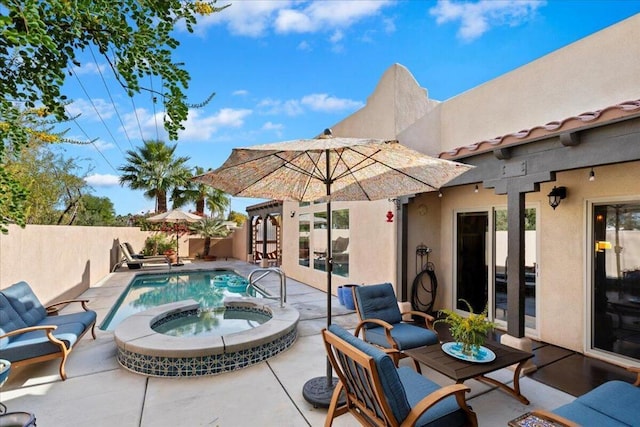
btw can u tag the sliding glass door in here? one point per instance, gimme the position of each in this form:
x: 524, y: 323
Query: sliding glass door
x: 482, y: 265
x: 615, y: 282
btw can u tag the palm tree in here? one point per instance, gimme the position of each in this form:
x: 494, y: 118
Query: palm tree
x: 202, y: 195
x: 155, y: 169
x: 208, y: 228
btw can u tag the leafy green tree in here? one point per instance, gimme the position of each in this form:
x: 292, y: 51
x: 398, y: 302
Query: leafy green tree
x: 208, y: 228
x: 237, y: 217
x: 95, y: 211
x: 217, y: 201
x: 40, y: 42
x: 155, y: 169
x: 53, y: 183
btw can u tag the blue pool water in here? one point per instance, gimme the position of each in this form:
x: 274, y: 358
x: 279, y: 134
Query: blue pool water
x: 209, y: 288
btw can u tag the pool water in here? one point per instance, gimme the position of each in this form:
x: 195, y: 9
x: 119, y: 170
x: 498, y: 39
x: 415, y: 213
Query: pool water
x: 216, y: 322
x: 208, y: 287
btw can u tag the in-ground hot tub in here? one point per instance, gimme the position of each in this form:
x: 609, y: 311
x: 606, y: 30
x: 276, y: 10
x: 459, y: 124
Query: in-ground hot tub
x: 143, y: 350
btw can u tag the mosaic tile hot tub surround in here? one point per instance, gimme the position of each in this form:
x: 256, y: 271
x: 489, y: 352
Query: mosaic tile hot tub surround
x: 142, y: 350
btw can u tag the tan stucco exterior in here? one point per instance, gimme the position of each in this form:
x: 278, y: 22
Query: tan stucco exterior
x: 591, y: 74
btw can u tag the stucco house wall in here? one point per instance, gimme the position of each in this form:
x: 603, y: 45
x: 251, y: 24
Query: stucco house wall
x: 600, y: 70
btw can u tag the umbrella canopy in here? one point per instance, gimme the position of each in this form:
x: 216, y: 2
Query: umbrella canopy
x: 175, y: 216
x: 326, y: 169
x: 330, y: 169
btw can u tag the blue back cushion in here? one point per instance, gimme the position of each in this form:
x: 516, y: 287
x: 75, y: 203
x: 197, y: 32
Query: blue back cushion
x: 391, y: 385
x: 10, y: 320
x: 378, y: 302
x: 25, y: 303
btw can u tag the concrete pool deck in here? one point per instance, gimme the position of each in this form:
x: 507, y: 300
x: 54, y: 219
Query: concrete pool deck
x: 99, y: 392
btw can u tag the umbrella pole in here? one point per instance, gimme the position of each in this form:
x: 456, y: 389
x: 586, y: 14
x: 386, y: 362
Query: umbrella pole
x: 319, y: 391
x: 178, y: 263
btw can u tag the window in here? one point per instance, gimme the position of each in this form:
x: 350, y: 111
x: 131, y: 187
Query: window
x: 313, y: 240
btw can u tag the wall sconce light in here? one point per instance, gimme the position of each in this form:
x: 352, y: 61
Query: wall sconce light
x: 292, y: 214
x: 475, y: 190
x: 389, y: 216
x: 440, y: 193
x: 557, y: 194
x: 592, y: 175
x: 602, y: 245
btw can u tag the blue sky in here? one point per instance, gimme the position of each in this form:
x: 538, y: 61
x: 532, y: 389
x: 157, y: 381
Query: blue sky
x: 284, y: 70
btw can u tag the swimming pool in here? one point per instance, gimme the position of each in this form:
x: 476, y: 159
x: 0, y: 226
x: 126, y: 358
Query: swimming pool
x: 207, y: 287
x: 153, y: 300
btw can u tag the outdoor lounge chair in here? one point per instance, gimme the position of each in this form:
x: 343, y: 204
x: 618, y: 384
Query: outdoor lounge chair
x: 377, y: 393
x: 381, y: 321
x: 135, y: 263
x: 613, y: 403
x: 30, y: 332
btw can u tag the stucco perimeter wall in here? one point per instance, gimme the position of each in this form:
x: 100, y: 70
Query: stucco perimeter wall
x: 60, y: 262
x: 372, y: 243
x: 590, y: 74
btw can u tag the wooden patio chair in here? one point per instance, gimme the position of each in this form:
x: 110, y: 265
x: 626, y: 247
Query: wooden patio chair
x: 380, y: 394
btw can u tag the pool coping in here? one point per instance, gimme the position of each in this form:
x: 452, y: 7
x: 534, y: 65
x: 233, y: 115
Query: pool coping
x: 143, y: 350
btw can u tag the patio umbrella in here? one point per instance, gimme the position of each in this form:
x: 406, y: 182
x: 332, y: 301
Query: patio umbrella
x: 175, y: 216
x: 330, y: 169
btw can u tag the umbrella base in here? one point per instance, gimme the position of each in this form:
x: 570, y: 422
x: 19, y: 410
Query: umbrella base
x: 318, y: 391
x: 177, y: 264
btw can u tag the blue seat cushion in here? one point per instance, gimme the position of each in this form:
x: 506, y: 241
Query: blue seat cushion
x: 378, y: 302
x: 586, y: 416
x: 86, y: 318
x: 25, y: 303
x: 10, y: 320
x: 618, y: 400
x: 36, y: 343
x: 446, y: 413
x: 405, y: 335
x: 389, y: 378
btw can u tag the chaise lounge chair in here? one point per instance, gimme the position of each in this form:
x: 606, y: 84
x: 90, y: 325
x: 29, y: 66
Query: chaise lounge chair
x: 377, y: 393
x: 137, y: 262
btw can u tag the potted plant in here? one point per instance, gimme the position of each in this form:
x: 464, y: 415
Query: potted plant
x: 471, y: 332
x: 161, y: 244
x: 208, y: 228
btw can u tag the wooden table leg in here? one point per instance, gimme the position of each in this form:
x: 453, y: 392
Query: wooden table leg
x: 515, y: 390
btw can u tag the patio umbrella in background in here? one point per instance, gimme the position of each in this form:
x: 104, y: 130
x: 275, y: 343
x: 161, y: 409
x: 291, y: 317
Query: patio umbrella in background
x: 330, y: 169
x: 175, y: 216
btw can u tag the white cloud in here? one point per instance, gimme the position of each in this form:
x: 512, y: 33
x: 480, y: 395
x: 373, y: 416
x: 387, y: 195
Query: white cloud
x: 102, y: 180
x: 91, y: 110
x: 102, y: 145
x: 325, y: 103
x: 201, y: 128
x: 476, y: 18
x: 314, y: 102
x: 272, y: 126
x: 305, y: 46
x: 89, y: 68
x: 197, y: 127
x: 257, y: 18
x: 290, y: 107
x: 240, y: 92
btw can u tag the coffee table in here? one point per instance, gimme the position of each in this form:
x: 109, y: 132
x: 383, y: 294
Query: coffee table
x: 435, y: 358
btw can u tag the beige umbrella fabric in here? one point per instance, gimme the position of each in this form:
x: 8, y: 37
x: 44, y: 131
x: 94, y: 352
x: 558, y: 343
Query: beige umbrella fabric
x: 357, y: 169
x: 330, y: 169
x: 175, y: 216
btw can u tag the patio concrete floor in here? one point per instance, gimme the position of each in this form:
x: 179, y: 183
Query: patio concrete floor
x: 99, y: 392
